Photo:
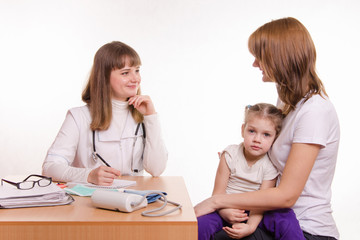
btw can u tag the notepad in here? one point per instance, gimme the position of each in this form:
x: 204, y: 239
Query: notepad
x: 118, y: 183
x: 87, y: 189
x: 82, y: 191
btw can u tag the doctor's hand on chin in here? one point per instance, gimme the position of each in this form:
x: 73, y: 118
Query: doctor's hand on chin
x: 103, y: 175
x: 143, y: 104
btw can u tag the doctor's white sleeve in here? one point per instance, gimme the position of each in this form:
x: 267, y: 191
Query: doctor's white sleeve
x: 61, y: 154
x: 155, y: 153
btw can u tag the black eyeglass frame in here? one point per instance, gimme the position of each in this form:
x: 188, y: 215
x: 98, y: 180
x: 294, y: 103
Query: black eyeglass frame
x: 25, y: 180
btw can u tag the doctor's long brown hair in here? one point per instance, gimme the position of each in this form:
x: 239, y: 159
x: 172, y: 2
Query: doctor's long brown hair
x: 97, y: 93
x: 287, y: 54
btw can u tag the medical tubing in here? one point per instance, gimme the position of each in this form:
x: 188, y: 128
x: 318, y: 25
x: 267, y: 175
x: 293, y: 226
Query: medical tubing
x: 164, y: 199
x: 178, y: 206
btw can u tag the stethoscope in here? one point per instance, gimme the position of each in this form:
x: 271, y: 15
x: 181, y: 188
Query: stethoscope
x: 96, y: 155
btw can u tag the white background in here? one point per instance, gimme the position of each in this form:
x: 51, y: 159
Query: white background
x: 196, y: 67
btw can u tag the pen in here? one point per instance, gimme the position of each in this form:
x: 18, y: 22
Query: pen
x: 95, y: 154
x: 103, y: 160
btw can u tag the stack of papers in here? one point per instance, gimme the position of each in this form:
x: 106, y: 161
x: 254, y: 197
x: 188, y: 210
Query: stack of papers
x: 52, y: 195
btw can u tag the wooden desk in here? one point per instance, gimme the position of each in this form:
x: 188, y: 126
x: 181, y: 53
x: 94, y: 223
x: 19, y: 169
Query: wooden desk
x: 80, y: 220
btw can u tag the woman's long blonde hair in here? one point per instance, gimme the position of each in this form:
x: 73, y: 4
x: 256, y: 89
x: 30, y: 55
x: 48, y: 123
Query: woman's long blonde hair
x: 287, y: 54
x: 97, y: 93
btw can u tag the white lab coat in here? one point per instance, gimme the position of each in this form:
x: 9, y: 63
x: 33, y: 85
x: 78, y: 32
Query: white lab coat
x: 70, y: 158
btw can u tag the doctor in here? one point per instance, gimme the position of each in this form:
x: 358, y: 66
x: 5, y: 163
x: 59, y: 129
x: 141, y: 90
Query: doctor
x: 116, y: 133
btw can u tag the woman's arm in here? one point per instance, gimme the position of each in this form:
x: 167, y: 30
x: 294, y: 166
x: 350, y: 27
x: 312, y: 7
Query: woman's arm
x: 300, y: 161
x: 61, y: 155
x: 155, y: 153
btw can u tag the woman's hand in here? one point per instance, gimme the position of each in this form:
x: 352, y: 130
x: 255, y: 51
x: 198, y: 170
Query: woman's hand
x: 233, y: 216
x: 239, y: 230
x: 205, y: 207
x: 103, y: 175
x: 143, y: 104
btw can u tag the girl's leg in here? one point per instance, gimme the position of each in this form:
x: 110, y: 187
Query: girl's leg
x: 259, y: 234
x: 208, y: 225
x: 308, y: 236
x: 282, y: 224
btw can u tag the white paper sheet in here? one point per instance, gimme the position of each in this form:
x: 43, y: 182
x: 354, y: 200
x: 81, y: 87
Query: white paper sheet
x: 118, y: 183
x: 52, y: 195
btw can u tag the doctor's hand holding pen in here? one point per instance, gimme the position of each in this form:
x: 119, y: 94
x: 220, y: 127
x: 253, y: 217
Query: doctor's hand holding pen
x: 103, y: 175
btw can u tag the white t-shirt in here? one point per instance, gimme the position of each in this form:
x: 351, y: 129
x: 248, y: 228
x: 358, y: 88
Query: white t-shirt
x: 315, y: 122
x: 244, y: 178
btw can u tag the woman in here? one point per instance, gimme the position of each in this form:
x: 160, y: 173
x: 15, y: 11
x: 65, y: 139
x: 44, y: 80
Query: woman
x: 305, y: 152
x: 116, y: 133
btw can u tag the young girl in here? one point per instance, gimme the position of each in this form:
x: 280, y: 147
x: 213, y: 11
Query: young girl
x: 246, y: 167
x: 305, y: 152
x: 116, y: 133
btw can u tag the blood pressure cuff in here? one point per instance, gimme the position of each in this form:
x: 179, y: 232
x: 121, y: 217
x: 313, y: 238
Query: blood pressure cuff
x: 150, y: 198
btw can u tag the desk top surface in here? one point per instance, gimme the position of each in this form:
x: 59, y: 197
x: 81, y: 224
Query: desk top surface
x: 81, y: 210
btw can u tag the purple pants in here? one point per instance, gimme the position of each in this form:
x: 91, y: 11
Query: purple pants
x: 281, y: 224
x: 208, y: 225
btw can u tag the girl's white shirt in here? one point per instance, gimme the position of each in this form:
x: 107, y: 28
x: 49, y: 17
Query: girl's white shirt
x: 313, y: 122
x: 244, y: 178
x: 70, y: 158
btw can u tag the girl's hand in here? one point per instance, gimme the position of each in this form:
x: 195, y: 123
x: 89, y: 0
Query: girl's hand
x: 239, y: 230
x: 143, y: 104
x: 233, y: 216
x: 103, y: 175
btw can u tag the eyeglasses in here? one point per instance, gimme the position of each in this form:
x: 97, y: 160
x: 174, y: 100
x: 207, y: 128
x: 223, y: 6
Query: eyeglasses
x: 25, y: 184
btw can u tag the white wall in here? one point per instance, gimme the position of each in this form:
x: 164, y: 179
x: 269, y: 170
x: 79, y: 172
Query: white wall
x: 196, y: 68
